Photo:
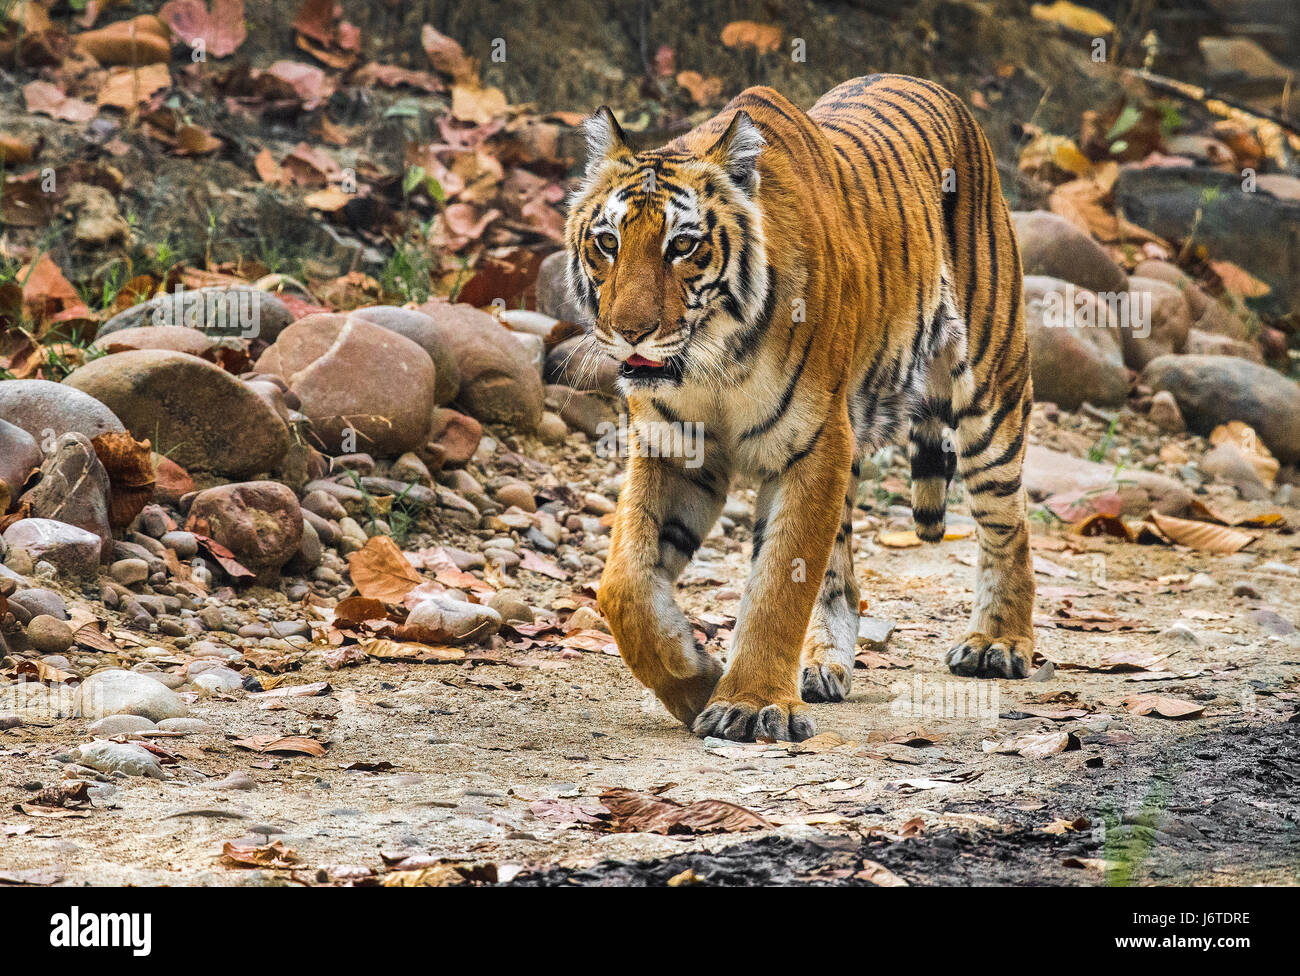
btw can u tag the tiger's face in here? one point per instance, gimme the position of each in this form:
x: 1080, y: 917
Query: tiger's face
x: 666, y: 252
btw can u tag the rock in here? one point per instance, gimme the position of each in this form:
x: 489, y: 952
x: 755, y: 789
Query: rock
x: 188, y: 726
x: 512, y: 606
x: 552, y: 429
x: 1226, y: 462
x: 587, y: 412
x: 259, y: 521
x: 874, y: 632
x: 1208, y: 344
x: 111, y: 725
x: 131, y: 572
x: 553, y: 296
x: 516, y: 493
x: 48, y: 410
x: 128, y: 693
x: 441, y: 619
x: 1075, y: 355
x: 457, y: 435
x: 323, y: 504
x: 1049, y: 472
x: 183, y: 543
x: 49, y: 635
x: 310, y: 551
x: 1165, y: 413
x: 419, y: 328
x: 177, y: 338
x: 364, y: 387
x: 1213, y: 390
x: 1050, y: 245
x: 585, y: 618
x: 70, y: 549
x: 73, y: 488
x: 238, y: 780
x: 579, y: 363
x: 411, y: 469
x: 1158, y: 321
x: 1257, y: 231
x: 171, y: 481
x: 198, y: 414
x: 219, y: 311
x: 498, y: 381
x: 37, y: 601
x: 19, y: 459
x: 126, y: 758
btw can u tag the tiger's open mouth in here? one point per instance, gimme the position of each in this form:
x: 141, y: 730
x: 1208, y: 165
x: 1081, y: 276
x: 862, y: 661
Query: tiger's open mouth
x: 639, y: 369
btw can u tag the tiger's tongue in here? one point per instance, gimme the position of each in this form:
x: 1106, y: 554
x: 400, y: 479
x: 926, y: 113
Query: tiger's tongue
x: 636, y: 359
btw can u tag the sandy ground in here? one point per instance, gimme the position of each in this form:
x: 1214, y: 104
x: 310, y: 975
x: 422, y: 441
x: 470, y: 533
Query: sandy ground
x: 473, y: 747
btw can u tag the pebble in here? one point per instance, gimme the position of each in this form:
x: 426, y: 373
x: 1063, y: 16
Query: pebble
x: 874, y: 632
x: 38, y: 601
x: 186, y: 725
x: 129, y: 572
x: 120, y: 757
x: 111, y: 725
x: 117, y: 692
x: 49, y: 635
x: 184, y: 544
x: 512, y: 606
x: 238, y: 780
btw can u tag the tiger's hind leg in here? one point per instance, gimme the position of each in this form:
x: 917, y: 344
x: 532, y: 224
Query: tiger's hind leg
x: 829, y: 646
x: 991, y: 424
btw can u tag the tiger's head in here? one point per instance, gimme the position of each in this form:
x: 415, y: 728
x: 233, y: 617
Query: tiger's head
x: 666, y: 252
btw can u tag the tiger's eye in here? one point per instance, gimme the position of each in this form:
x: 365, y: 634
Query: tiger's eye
x: 607, y: 240
x: 682, y: 245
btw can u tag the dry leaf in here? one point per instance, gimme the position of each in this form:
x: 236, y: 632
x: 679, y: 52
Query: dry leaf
x: 640, y: 812
x: 274, y: 855
x: 391, y: 650
x: 765, y: 38
x: 379, y: 571
x: 1034, y: 745
x: 1074, y: 17
x: 877, y: 874
x: 907, y: 539
x: 1163, y: 706
x: 1218, y: 539
x: 292, y: 744
x: 221, y: 30
x: 128, y: 87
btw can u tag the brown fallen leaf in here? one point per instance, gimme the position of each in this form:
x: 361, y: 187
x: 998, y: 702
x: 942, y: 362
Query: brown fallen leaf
x: 642, y: 813
x: 273, y: 855
x: 380, y: 572
x: 1163, y: 706
x: 391, y: 650
x: 49, y: 99
x: 907, y: 539
x: 1204, y: 536
x: 540, y: 564
x: 292, y: 744
x: 353, y: 611
x: 873, y: 872
x: 447, y: 56
x: 565, y: 812
x: 220, y: 29
x: 445, y: 874
x: 1118, y: 661
x: 1067, y: 826
x: 126, y: 88
x: 589, y: 640
x: 223, y: 557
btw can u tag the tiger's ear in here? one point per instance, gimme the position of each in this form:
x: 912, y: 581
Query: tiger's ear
x: 605, y: 139
x: 736, y: 151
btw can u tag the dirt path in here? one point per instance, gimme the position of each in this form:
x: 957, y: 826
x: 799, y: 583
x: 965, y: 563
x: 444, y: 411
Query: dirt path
x: 490, y: 757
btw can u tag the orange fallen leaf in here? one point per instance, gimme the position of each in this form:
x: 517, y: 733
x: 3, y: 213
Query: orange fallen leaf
x: 1218, y: 539
x: 764, y: 38
x: 381, y: 572
x: 221, y: 29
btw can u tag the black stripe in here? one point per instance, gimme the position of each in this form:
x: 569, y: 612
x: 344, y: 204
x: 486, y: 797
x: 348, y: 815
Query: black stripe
x: 787, y: 396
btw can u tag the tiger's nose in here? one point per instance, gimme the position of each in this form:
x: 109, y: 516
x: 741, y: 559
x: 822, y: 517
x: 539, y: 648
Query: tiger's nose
x: 635, y: 333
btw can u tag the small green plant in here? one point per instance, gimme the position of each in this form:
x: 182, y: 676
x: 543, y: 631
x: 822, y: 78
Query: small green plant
x: 1102, y: 447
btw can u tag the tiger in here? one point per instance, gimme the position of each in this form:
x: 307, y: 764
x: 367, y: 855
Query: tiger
x: 800, y: 287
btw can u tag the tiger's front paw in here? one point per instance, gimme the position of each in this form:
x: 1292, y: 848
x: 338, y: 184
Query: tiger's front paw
x: 686, y: 698
x: 747, y: 720
x: 980, y: 656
